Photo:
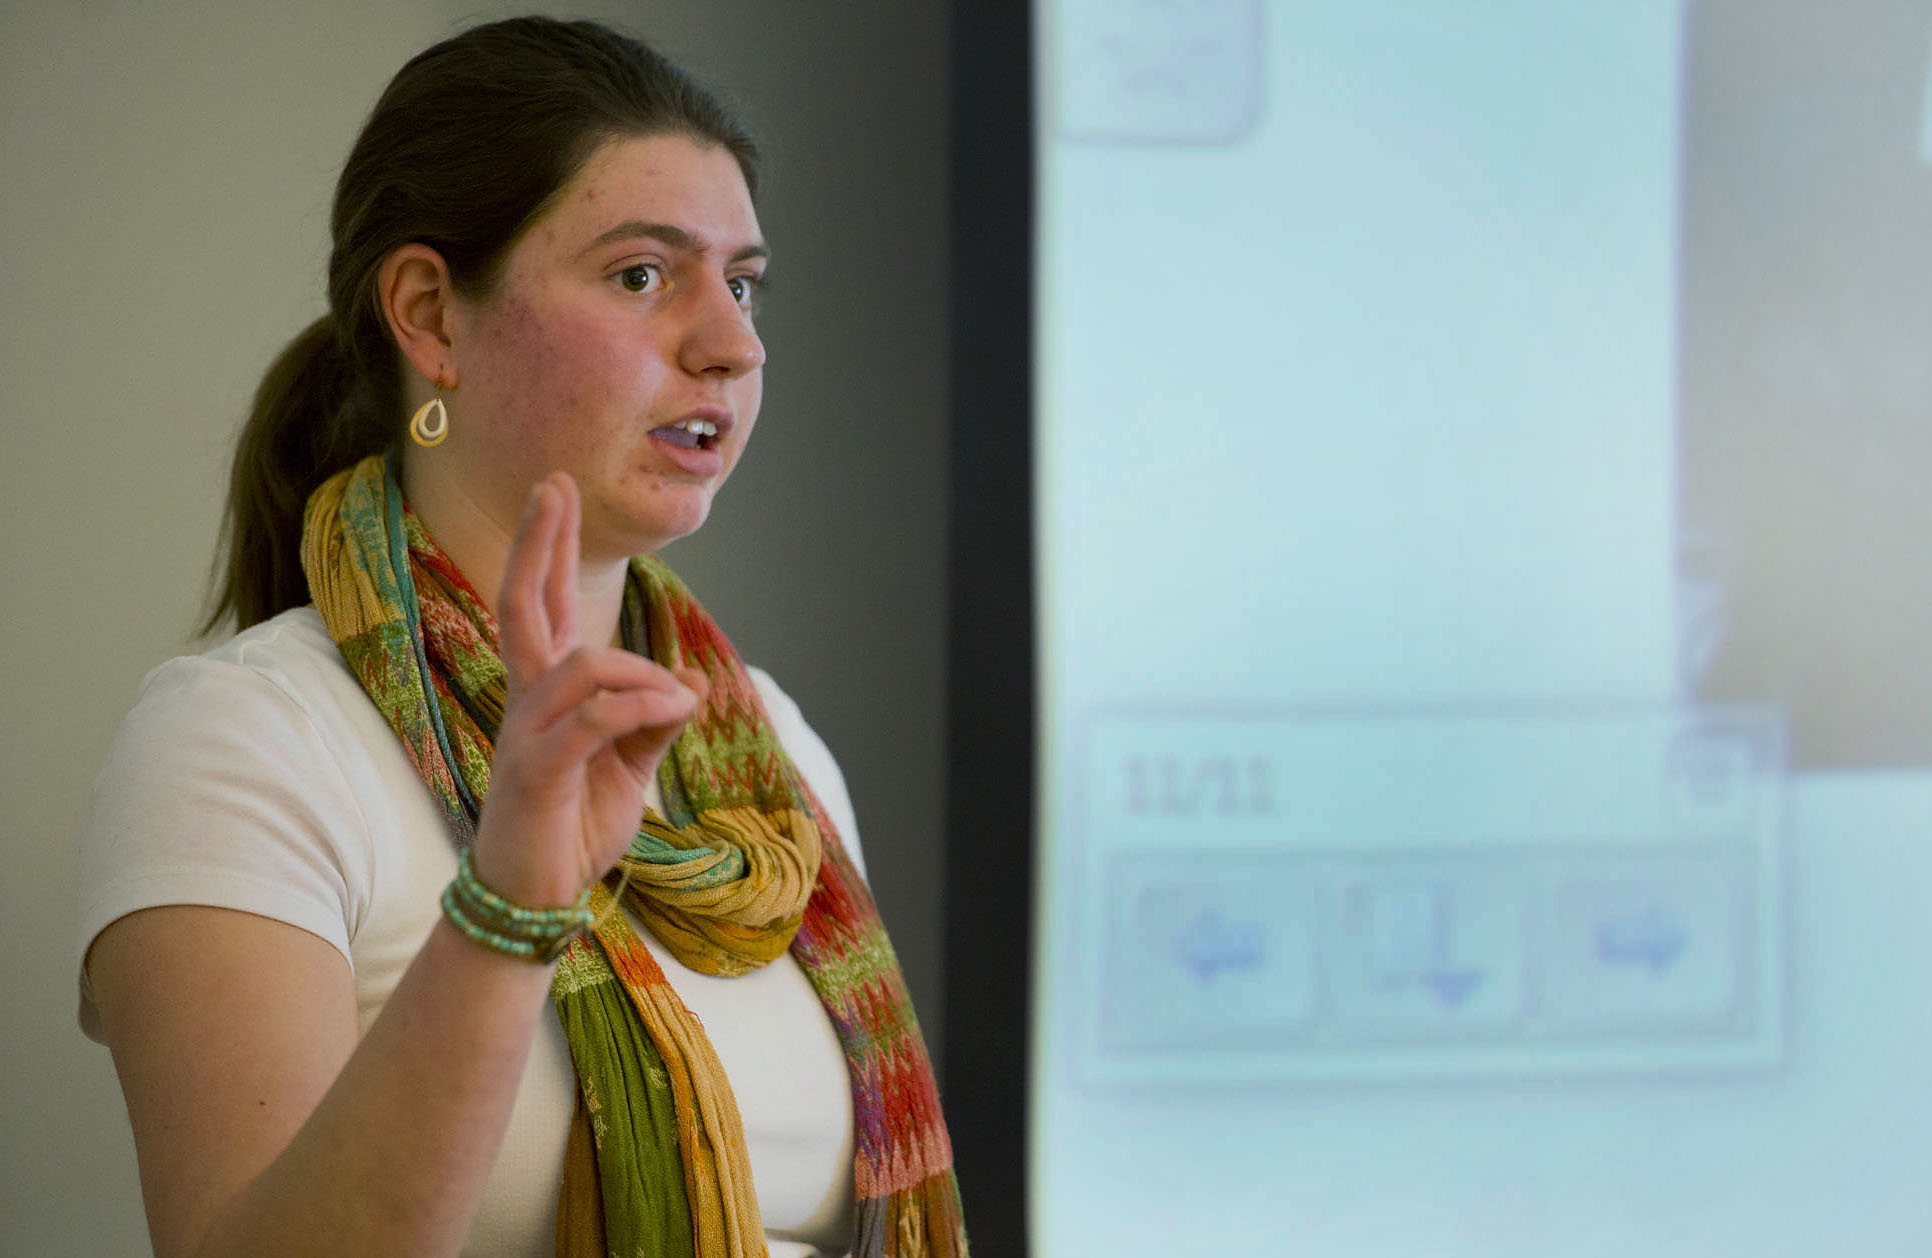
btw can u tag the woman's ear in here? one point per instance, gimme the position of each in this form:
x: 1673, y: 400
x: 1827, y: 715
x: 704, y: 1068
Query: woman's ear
x: 413, y: 288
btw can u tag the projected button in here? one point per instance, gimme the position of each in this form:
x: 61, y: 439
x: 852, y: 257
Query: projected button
x: 1198, y: 958
x: 1162, y: 72
x: 1639, y: 945
x: 1426, y: 950
x: 1712, y: 773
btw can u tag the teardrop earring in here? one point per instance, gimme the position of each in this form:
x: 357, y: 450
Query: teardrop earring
x: 429, y: 426
x: 427, y: 432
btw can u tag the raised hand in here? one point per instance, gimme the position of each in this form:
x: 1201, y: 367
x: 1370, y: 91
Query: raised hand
x: 584, y: 728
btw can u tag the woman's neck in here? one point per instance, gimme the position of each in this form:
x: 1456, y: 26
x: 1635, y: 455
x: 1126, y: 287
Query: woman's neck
x: 477, y: 540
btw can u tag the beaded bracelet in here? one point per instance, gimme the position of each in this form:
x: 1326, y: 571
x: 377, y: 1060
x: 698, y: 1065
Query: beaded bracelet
x: 502, y: 925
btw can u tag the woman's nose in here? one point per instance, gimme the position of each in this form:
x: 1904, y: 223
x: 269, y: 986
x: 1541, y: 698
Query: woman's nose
x: 720, y: 337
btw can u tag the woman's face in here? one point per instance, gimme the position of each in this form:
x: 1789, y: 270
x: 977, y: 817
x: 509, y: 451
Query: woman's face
x: 618, y: 346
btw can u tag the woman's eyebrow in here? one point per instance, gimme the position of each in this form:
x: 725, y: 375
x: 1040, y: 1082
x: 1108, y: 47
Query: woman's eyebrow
x: 668, y: 234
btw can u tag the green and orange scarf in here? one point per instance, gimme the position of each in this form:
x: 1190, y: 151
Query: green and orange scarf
x: 744, y: 866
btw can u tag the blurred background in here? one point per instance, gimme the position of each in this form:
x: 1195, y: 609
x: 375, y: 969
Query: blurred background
x: 165, y: 178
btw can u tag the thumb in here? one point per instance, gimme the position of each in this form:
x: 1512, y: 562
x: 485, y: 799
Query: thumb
x: 645, y: 746
x: 697, y: 681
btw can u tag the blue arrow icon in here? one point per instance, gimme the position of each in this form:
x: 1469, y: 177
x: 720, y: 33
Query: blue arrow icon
x: 1453, y: 987
x: 1213, y: 943
x: 1651, y: 938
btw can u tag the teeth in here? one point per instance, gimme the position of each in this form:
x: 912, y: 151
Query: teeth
x: 701, y: 427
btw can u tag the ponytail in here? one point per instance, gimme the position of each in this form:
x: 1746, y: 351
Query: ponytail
x: 304, y: 427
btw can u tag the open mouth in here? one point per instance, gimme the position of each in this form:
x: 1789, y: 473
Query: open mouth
x: 689, y: 434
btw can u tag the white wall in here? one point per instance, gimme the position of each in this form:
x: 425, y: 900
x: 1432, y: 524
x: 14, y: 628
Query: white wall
x: 165, y: 173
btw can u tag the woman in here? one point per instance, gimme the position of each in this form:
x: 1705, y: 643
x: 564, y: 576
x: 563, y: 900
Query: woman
x: 339, y: 864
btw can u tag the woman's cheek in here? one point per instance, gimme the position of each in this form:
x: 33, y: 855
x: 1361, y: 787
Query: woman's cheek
x: 549, y: 376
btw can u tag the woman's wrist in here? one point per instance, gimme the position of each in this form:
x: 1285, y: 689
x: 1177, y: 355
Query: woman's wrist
x: 525, y: 872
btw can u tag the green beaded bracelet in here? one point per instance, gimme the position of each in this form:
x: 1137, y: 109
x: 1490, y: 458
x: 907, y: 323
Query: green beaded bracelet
x: 477, y: 934
x: 541, y: 920
x: 502, y: 925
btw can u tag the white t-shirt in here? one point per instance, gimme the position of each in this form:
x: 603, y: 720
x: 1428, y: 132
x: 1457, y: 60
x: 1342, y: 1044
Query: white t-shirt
x: 259, y: 777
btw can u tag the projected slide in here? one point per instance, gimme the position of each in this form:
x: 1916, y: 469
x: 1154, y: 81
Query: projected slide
x: 1486, y: 652
x: 1345, y: 896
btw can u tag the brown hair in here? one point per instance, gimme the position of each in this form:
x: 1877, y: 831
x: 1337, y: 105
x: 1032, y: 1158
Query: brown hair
x: 465, y: 149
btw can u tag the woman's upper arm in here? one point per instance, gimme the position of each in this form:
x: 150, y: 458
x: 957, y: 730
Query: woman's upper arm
x: 224, y: 867
x: 226, y: 1028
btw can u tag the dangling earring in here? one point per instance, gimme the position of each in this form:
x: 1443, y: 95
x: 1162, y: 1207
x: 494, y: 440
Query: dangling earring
x: 425, y: 431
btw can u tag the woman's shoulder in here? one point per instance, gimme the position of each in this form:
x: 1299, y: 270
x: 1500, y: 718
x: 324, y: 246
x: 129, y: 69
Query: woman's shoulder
x: 290, y: 653
x: 295, y: 633
x: 274, y: 705
x: 275, y: 684
x: 254, y: 689
x: 233, y: 782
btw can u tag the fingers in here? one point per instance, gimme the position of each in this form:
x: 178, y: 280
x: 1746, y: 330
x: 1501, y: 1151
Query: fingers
x: 560, y: 587
x: 594, y: 699
x: 696, y: 680
x: 539, y: 583
x: 570, y: 700
x: 521, y: 621
x: 583, y: 675
x: 614, y: 716
x: 641, y: 746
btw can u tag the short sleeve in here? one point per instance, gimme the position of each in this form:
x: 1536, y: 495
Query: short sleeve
x: 220, y: 791
x: 813, y: 760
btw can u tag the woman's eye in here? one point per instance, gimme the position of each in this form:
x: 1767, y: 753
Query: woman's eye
x: 641, y: 278
x: 746, y: 289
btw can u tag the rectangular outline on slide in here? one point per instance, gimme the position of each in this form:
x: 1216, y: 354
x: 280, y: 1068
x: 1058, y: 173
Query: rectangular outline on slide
x: 1753, y: 1042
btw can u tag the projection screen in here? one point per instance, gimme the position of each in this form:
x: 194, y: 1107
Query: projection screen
x: 1485, y: 628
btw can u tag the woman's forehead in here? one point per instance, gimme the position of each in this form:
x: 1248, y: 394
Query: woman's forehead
x: 684, y: 193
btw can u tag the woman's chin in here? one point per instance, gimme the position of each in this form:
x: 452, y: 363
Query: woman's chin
x: 645, y: 533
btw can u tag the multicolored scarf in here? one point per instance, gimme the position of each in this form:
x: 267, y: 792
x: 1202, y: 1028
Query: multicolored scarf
x: 744, y: 865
